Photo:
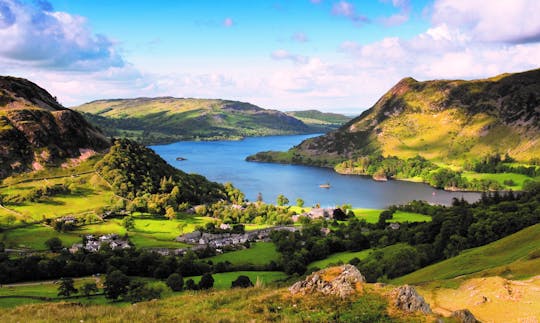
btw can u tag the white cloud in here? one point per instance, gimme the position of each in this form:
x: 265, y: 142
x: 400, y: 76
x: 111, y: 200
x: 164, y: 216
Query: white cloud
x: 509, y: 21
x: 347, y: 9
x: 34, y: 35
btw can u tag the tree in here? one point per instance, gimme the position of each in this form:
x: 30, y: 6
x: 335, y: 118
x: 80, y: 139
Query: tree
x: 282, y: 200
x: 299, y: 202
x: 190, y: 284
x: 175, y: 282
x: 89, y: 288
x: 66, y: 287
x: 170, y: 213
x: 207, y: 281
x: 116, y: 284
x: 139, y: 291
x: 242, y: 282
x: 54, y: 244
x: 259, y: 197
x: 385, y: 215
x: 128, y: 222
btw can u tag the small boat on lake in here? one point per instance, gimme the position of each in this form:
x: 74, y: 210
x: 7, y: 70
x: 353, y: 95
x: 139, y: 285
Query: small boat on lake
x: 180, y: 158
x: 327, y: 185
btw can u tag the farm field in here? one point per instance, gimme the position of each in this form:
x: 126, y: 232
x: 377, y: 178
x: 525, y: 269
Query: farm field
x: 372, y: 216
x: 260, y: 253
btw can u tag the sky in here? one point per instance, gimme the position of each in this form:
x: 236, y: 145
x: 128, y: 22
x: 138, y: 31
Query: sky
x: 331, y: 55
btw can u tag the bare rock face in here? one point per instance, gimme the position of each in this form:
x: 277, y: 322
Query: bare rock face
x: 36, y: 131
x: 407, y: 299
x: 341, y: 281
x: 464, y: 316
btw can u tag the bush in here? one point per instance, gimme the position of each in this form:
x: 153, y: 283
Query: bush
x: 509, y: 182
x: 207, y: 281
x: 140, y: 291
x: 190, y: 284
x: 242, y: 282
x: 175, y: 282
x: 54, y: 244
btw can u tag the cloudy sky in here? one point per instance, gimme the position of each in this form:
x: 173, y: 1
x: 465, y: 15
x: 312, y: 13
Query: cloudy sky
x: 297, y: 54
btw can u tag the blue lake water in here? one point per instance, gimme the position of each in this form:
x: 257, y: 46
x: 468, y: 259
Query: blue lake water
x: 224, y: 161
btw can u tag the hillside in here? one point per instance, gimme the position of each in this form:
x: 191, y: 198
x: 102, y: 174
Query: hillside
x: 445, y: 121
x: 324, y: 120
x: 37, y: 132
x: 487, y: 280
x: 515, y: 256
x: 456, y: 124
x: 167, y: 119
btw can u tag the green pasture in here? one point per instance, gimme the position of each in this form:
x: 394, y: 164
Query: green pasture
x: 372, y: 216
x: 518, y: 179
x: 260, y: 253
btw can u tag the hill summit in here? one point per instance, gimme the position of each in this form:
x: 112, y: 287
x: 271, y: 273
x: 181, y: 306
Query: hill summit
x: 36, y: 131
x: 446, y: 121
x: 169, y: 119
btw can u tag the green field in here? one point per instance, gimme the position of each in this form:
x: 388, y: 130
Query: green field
x: 34, y: 237
x: 509, y: 256
x: 47, y: 289
x: 518, y: 179
x: 224, y: 280
x: 260, y: 253
x: 340, y: 257
x: 372, y: 216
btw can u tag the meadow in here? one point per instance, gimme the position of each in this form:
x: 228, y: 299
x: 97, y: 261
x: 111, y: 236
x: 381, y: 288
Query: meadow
x: 260, y: 253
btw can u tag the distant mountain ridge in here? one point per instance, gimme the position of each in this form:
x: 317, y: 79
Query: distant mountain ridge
x: 167, y: 119
x: 36, y: 131
x: 448, y: 121
x: 317, y: 118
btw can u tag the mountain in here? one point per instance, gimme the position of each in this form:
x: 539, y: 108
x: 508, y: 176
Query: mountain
x: 417, y: 128
x: 36, y: 131
x: 445, y: 121
x: 167, y: 119
x: 324, y: 120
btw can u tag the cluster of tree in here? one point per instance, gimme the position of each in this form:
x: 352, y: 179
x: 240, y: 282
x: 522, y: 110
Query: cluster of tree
x: 497, y: 164
x: 150, y: 184
x: 258, y: 212
x: 393, y: 167
x: 413, y: 245
x: 210, y: 227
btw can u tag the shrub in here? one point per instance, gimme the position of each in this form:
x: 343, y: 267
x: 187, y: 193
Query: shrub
x: 175, y: 282
x: 242, y: 282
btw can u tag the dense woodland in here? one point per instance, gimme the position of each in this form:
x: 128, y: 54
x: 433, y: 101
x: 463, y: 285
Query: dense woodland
x: 149, y: 184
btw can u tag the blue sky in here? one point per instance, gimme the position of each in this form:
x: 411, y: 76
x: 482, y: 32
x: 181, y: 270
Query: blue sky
x: 331, y: 55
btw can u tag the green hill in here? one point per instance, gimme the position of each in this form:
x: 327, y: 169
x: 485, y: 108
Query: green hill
x: 515, y: 256
x: 453, y: 124
x: 324, y: 120
x: 167, y: 119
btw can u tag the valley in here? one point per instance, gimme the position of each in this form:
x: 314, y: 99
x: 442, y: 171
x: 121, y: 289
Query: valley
x: 134, y: 203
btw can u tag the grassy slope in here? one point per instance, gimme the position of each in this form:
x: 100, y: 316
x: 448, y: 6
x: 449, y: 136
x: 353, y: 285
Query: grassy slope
x: 340, y: 257
x: 239, y: 305
x: 260, y: 253
x: 508, y: 256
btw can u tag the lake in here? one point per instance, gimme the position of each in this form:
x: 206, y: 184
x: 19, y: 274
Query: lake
x: 224, y: 161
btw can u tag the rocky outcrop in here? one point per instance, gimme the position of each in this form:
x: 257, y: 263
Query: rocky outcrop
x: 407, y: 299
x: 341, y: 281
x: 36, y: 131
x: 464, y: 316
